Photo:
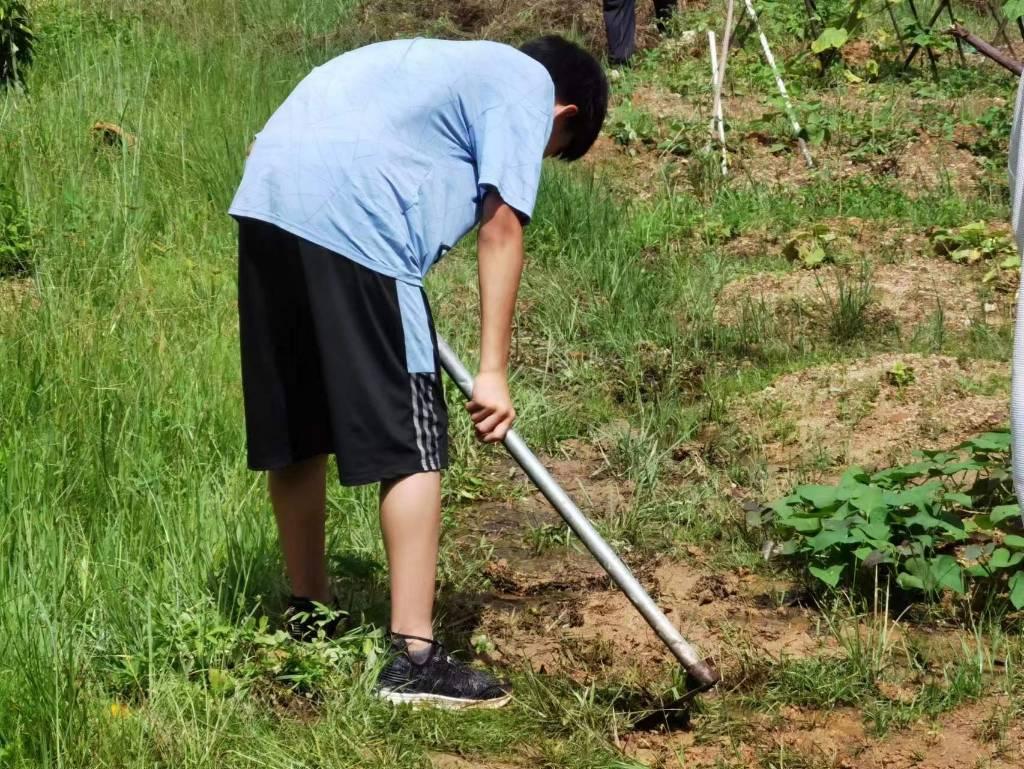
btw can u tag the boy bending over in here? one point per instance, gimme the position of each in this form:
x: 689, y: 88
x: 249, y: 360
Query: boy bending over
x: 377, y: 163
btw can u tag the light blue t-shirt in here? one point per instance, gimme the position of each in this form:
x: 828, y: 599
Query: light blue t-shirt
x: 384, y: 154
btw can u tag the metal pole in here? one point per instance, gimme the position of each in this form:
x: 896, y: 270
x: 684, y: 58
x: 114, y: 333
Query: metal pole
x: 702, y: 672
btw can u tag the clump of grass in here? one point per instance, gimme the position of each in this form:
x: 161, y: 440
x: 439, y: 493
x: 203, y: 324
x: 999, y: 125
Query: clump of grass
x: 848, y: 313
x: 16, y: 251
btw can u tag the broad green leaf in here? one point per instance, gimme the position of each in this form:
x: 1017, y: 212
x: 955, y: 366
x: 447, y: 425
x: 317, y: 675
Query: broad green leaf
x: 948, y: 573
x: 788, y: 547
x: 879, y: 531
x: 959, y: 498
x: 1003, y: 559
x: 819, y: 496
x: 829, y: 576
x: 828, y: 538
x: 909, y: 581
x: 987, y: 442
x: 802, y: 524
x: 869, y: 500
x: 1016, y: 585
x: 830, y: 37
x: 1014, y: 541
x: 1002, y: 512
x: 853, y: 477
x: 863, y: 552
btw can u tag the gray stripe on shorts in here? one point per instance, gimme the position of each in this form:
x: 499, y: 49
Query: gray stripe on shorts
x: 432, y: 381
x: 429, y: 420
x: 416, y: 421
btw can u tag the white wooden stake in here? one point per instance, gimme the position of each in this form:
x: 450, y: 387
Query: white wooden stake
x: 778, y: 81
x: 726, y: 44
x: 717, y: 123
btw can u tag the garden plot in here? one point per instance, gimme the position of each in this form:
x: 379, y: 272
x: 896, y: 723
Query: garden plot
x: 853, y: 240
x: 872, y: 412
x: 908, y: 295
x: 585, y: 632
x: 973, y: 736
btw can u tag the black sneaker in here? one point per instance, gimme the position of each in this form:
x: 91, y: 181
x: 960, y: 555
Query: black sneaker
x: 307, y: 620
x: 439, y: 680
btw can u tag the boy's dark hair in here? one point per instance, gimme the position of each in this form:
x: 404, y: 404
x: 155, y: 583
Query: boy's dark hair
x: 579, y: 79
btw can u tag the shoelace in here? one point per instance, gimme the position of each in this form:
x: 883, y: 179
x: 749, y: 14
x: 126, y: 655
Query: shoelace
x: 432, y: 643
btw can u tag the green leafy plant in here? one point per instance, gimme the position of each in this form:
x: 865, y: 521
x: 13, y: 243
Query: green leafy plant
x: 831, y: 38
x: 946, y: 522
x: 927, y: 37
x: 15, y: 235
x: 630, y: 126
x: 838, y: 25
x: 977, y: 242
x: 900, y: 375
x: 1013, y: 9
x: 994, y: 124
x: 17, y: 43
x: 811, y: 247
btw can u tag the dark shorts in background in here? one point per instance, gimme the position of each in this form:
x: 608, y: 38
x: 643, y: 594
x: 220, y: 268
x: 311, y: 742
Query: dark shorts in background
x: 325, y: 368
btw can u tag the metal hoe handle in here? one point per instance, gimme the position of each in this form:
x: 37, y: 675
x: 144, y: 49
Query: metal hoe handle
x: 702, y: 672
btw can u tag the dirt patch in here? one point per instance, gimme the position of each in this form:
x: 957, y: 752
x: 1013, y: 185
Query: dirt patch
x: 929, y: 164
x: 857, y: 240
x: 16, y: 292
x: 823, y: 419
x: 553, y: 609
x: 908, y: 294
x: 967, y: 737
x: 595, y: 632
x: 635, y: 174
x: 450, y: 761
x: 502, y: 20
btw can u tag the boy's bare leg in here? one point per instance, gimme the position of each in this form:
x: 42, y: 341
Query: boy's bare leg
x: 410, y: 519
x: 299, y: 496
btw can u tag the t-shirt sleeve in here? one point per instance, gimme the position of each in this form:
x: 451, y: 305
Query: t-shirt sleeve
x: 508, y: 142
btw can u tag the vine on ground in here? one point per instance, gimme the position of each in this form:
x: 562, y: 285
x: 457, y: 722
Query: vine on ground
x: 946, y: 522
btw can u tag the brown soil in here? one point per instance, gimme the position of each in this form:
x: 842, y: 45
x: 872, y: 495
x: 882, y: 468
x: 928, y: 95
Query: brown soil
x: 15, y: 292
x: 449, y: 761
x: 503, y: 20
x: 634, y: 174
x: 857, y: 240
x: 558, y: 613
x: 929, y: 164
x: 908, y: 294
x: 838, y: 740
x: 578, y: 625
x: 833, y: 416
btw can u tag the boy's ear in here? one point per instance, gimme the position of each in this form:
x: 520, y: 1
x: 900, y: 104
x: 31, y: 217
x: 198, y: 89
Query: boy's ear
x: 566, y: 110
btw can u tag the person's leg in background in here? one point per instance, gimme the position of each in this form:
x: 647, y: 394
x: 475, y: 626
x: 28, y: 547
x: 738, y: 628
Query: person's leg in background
x: 663, y: 11
x: 620, y: 27
x: 298, y: 494
x: 410, y: 520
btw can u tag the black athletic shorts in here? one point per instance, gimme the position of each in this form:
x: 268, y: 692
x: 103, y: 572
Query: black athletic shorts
x: 325, y: 369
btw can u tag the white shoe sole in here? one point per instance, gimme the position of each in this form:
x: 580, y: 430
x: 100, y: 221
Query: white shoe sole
x: 420, y: 700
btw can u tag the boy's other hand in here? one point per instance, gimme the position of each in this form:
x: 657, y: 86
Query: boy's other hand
x: 491, y: 407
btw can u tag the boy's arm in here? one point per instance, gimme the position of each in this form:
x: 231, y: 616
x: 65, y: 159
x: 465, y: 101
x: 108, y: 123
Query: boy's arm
x: 500, y: 264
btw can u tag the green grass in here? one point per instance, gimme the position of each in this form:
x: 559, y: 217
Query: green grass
x: 138, y: 555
